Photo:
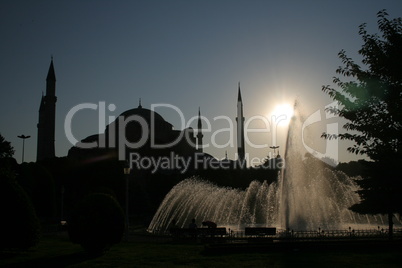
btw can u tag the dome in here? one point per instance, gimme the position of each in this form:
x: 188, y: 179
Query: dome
x: 146, y: 114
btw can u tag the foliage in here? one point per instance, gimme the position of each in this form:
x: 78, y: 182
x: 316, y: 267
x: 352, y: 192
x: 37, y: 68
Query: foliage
x: 19, y: 226
x: 354, y: 168
x: 39, y: 186
x: 371, y: 101
x: 97, y: 223
x: 6, y: 150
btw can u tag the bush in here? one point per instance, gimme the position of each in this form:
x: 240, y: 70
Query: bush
x: 38, y: 183
x: 97, y: 223
x: 19, y: 225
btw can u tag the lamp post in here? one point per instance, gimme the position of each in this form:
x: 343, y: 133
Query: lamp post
x: 274, y: 148
x: 62, y: 205
x: 126, y: 174
x: 23, y: 137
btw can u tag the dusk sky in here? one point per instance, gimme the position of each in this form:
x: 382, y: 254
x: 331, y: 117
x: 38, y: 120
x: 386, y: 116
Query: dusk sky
x: 188, y: 54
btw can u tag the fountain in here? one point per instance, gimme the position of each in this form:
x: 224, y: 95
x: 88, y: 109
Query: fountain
x: 313, y: 194
x: 307, y: 195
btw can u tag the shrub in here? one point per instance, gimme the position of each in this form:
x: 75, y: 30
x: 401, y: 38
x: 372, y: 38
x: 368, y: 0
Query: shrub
x: 19, y: 225
x: 97, y: 223
x: 38, y: 183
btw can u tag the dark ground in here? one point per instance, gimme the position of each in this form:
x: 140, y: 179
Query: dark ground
x: 151, y: 251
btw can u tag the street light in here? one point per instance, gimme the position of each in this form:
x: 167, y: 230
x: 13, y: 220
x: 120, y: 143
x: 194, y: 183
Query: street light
x: 62, y: 206
x: 126, y: 174
x: 274, y: 148
x: 23, y: 137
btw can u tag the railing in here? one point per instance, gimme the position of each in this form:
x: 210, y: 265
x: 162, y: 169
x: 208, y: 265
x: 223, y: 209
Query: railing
x: 200, y: 232
x: 260, y: 231
x: 278, y: 234
x: 325, y: 234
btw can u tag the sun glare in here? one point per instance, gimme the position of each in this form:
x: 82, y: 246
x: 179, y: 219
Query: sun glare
x: 282, y: 114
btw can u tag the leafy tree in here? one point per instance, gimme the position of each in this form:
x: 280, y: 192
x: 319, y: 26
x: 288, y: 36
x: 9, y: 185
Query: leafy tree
x: 6, y: 150
x: 97, y: 223
x: 19, y: 225
x: 38, y: 183
x: 370, y: 99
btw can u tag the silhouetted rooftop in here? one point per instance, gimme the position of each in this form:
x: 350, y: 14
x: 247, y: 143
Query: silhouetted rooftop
x: 146, y: 114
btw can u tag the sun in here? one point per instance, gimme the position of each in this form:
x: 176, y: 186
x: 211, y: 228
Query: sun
x: 282, y: 114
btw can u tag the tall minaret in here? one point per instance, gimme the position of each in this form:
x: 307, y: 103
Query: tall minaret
x: 240, y: 129
x: 47, y: 118
x: 199, y: 134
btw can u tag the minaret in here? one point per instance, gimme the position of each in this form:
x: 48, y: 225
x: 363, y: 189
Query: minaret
x: 199, y: 134
x: 240, y: 130
x: 47, y: 118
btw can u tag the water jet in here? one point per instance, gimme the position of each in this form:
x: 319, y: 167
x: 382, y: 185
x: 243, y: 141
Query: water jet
x: 307, y: 195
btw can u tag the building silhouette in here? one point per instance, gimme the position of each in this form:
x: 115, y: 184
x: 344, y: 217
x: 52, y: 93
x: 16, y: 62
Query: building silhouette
x: 47, y: 118
x: 199, y: 133
x: 240, y: 130
x: 138, y: 132
x: 160, y: 139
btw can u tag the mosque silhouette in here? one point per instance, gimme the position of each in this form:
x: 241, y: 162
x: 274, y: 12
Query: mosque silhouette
x: 182, y: 143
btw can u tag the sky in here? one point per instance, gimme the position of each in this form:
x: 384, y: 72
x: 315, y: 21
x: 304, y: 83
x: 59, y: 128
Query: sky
x: 184, y: 54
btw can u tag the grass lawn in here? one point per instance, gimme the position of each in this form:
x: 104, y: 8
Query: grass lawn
x: 58, y: 251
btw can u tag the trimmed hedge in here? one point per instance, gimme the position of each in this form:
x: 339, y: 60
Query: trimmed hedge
x: 97, y: 223
x: 19, y: 225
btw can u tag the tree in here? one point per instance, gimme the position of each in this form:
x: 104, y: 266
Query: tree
x: 370, y: 99
x: 38, y: 183
x: 19, y: 225
x: 6, y: 150
x: 97, y: 223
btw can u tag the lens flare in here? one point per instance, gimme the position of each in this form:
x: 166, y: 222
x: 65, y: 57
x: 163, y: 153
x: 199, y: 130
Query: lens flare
x: 282, y: 114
